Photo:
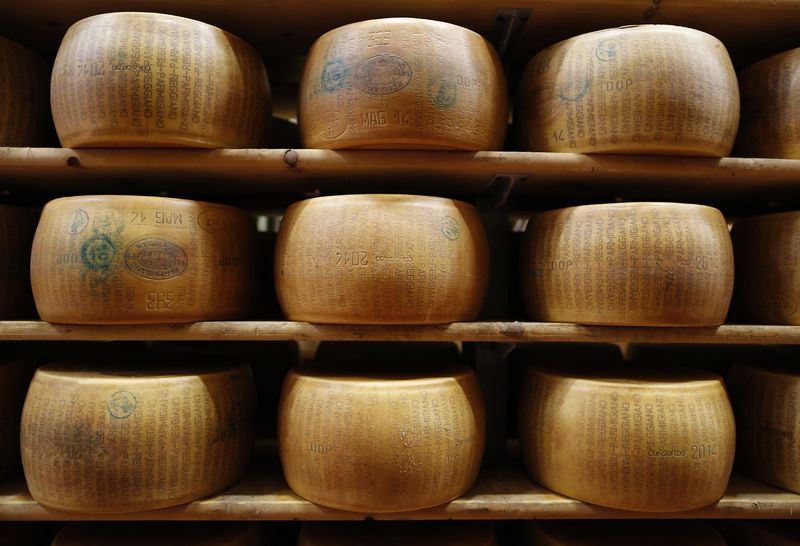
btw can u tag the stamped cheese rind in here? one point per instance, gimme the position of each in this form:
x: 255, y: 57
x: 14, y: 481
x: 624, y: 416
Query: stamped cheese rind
x: 137, y: 79
x: 642, y: 89
x: 403, y: 83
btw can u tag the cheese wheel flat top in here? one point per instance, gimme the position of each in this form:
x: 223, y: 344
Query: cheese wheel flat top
x: 416, y: 533
x: 628, y: 264
x: 767, y: 274
x: 149, y: 79
x: 107, y: 438
x: 770, y: 112
x: 650, y: 439
x: 645, y: 89
x: 110, y: 259
x: 160, y: 534
x: 24, y: 109
x: 388, y: 441
x: 403, y: 83
x: 381, y: 259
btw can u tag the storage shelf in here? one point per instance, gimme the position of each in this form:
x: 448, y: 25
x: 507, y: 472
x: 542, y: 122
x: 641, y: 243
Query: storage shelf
x: 500, y: 493
x: 275, y: 172
x: 502, y: 332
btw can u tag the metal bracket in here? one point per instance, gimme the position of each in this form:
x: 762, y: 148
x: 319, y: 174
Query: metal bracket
x: 497, y: 192
x: 508, y: 24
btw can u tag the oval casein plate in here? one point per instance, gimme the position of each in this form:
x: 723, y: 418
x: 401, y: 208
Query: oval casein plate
x: 155, y: 259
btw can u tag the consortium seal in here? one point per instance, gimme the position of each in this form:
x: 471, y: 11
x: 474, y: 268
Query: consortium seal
x: 383, y: 74
x: 155, y: 259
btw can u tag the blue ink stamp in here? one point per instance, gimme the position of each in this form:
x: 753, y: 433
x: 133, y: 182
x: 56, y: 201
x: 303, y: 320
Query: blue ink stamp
x: 98, y: 252
x: 607, y: 50
x: 573, y: 90
x: 121, y: 405
x: 451, y: 228
x: 443, y: 93
x: 80, y: 219
x: 333, y: 74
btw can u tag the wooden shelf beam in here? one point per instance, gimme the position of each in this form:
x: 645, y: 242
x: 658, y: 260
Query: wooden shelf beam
x: 503, y: 332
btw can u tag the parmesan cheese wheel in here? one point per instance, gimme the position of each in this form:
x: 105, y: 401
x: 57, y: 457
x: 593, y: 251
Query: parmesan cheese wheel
x: 381, y: 259
x: 17, y: 226
x: 111, y: 438
x: 403, y: 438
x: 403, y: 83
x: 106, y: 259
x: 651, y: 439
x: 417, y: 533
x: 15, y: 375
x: 628, y: 264
x: 767, y: 270
x: 770, y: 112
x: 149, y: 79
x: 647, y: 89
x: 765, y: 401
x: 24, y: 109
x: 160, y: 534
x: 622, y: 533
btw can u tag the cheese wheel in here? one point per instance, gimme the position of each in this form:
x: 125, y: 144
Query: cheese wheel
x: 750, y: 532
x: 149, y: 79
x: 24, y: 109
x: 417, y: 533
x: 110, y: 259
x: 646, y: 89
x: 650, y: 439
x: 765, y: 401
x: 767, y: 271
x: 160, y: 534
x: 622, y: 533
x: 403, y: 83
x: 15, y: 375
x: 381, y: 259
x: 17, y: 226
x: 628, y: 264
x: 770, y: 112
x: 130, y: 436
x: 402, y: 438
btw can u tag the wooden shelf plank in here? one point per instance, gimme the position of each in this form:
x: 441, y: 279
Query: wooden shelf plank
x: 503, y: 332
x: 501, y: 493
x: 304, y: 171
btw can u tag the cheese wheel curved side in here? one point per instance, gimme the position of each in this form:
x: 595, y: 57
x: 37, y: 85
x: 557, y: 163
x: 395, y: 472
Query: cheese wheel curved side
x: 136, y: 79
x: 770, y: 113
x: 649, y: 440
x: 765, y: 401
x: 24, y: 107
x: 403, y: 83
x: 381, y: 259
x: 644, y: 89
x: 100, y: 438
x: 376, y: 442
x: 628, y: 264
x: 110, y: 259
x: 767, y: 274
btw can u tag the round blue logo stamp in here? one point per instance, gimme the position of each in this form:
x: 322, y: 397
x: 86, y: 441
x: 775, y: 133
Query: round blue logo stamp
x: 121, y: 405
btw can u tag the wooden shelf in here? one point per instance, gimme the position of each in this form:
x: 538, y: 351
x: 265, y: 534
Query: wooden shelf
x: 295, y: 173
x: 500, y: 494
x: 501, y: 332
